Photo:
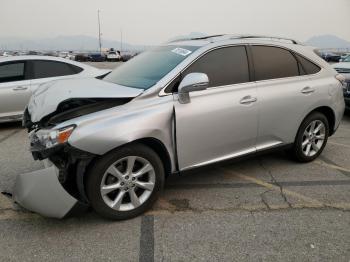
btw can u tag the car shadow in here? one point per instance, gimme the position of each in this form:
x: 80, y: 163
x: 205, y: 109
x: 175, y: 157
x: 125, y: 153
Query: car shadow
x: 11, y: 125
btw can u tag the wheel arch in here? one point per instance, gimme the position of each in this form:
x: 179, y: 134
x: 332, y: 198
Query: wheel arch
x: 156, y: 145
x: 330, y: 115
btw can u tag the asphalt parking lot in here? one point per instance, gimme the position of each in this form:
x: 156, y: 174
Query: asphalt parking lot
x: 264, y: 208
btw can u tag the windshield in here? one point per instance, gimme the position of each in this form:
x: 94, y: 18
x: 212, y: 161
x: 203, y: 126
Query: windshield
x: 347, y: 59
x: 146, y: 69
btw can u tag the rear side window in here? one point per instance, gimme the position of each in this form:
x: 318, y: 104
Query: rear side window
x: 12, y: 72
x: 273, y: 62
x: 306, y: 67
x: 224, y: 66
x: 44, y: 69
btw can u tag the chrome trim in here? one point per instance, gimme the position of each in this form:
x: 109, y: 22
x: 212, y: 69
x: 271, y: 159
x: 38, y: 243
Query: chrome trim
x: 268, y: 145
x: 226, y: 157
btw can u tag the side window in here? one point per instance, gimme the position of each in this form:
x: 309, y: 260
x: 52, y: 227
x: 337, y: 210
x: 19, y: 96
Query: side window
x: 44, y: 69
x: 224, y: 66
x: 11, y: 72
x: 273, y: 62
x: 306, y: 66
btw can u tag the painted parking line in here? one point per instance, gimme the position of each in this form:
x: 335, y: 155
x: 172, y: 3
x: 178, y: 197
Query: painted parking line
x: 5, y: 202
x: 307, y: 183
x: 9, y: 214
x: 339, y: 144
x: 313, y: 202
x: 146, y: 253
x: 323, y: 163
x: 310, y: 202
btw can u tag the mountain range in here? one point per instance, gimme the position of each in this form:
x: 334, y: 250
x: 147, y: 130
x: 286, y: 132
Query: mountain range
x: 89, y: 43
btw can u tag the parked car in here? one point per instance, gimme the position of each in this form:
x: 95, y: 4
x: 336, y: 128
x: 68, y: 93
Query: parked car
x: 6, y: 54
x: 97, y: 57
x: 344, y: 57
x: 113, y: 56
x: 20, y: 76
x: 110, y: 144
x: 344, y: 69
x: 81, y: 57
x: 126, y: 56
x: 331, y: 57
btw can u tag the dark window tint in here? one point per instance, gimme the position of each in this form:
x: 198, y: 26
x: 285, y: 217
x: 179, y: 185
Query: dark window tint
x: 307, y: 67
x: 44, y: 69
x: 224, y: 66
x: 273, y: 62
x: 12, y: 72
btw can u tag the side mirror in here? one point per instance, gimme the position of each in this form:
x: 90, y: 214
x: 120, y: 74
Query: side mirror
x: 192, y: 82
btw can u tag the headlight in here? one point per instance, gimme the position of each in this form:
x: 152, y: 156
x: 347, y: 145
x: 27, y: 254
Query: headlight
x: 50, y: 138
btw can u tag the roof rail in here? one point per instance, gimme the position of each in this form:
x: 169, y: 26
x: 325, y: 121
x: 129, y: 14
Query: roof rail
x: 239, y: 37
x: 266, y: 37
x: 195, y: 38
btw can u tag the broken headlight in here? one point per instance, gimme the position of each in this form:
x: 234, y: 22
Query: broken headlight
x: 50, y: 138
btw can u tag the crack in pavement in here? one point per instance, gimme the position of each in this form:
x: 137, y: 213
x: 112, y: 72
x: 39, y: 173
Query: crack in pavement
x: 274, y: 181
x: 263, y: 200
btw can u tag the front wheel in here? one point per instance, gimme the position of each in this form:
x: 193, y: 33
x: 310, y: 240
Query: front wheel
x: 311, y: 138
x: 125, y: 182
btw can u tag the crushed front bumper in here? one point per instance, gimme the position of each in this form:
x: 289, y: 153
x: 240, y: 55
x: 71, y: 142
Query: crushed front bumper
x: 41, y: 192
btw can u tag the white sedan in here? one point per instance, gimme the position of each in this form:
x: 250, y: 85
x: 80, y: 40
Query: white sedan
x: 21, y: 75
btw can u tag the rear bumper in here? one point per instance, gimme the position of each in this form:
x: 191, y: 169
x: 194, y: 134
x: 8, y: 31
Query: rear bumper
x: 41, y: 192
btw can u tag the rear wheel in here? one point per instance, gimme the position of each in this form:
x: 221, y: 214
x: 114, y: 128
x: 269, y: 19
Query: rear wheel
x: 126, y: 182
x: 311, y: 138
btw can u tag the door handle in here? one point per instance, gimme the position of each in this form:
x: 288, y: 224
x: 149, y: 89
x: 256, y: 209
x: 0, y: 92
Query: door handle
x: 19, y: 88
x: 248, y: 100
x: 307, y: 90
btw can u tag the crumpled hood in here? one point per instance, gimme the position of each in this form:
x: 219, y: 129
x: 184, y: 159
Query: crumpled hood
x: 47, y: 97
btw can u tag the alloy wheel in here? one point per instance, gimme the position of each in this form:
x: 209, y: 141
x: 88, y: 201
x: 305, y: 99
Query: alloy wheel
x: 127, y: 183
x: 313, y: 138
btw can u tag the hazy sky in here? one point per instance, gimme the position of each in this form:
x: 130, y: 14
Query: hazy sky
x: 155, y: 21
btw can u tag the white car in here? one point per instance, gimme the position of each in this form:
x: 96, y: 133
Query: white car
x: 21, y: 75
x: 113, y: 56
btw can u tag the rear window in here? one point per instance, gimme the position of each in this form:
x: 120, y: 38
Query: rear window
x: 306, y: 67
x: 273, y: 62
x: 12, y: 72
x: 45, y: 69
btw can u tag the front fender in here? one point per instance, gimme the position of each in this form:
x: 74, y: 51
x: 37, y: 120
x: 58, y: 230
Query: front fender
x: 150, y: 121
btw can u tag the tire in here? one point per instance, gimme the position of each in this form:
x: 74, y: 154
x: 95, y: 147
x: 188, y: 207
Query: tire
x: 100, y: 180
x: 307, y: 147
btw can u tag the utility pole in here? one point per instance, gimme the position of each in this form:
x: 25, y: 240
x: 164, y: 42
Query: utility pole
x: 121, y: 40
x: 99, y: 31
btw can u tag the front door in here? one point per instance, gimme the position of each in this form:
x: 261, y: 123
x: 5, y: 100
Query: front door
x: 221, y: 122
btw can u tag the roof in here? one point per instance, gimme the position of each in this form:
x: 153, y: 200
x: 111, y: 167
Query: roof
x: 33, y: 57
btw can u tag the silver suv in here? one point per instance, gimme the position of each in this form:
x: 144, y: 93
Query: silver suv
x: 110, y: 144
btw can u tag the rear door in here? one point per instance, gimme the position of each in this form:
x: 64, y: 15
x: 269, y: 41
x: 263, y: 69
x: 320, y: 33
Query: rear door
x: 14, y: 89
x: 285, y: 93
x: 221, y: 122
x: 42, y: 71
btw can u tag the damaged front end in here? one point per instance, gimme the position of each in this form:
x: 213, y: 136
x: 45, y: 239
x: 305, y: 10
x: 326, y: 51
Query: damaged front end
x: 58, y: 190
x: 72, y: 108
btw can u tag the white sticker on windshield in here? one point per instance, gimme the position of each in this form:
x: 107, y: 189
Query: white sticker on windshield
x: 181, y: 51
